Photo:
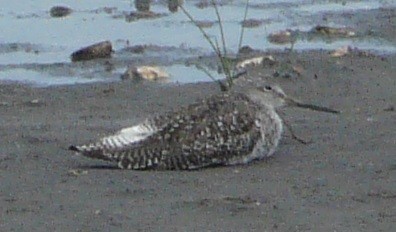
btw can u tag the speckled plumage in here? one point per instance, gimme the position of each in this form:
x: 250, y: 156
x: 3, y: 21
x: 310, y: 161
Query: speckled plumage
x: 225, y: 129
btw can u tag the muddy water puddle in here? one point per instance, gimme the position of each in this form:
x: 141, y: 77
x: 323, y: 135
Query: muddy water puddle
x: 35, y: 48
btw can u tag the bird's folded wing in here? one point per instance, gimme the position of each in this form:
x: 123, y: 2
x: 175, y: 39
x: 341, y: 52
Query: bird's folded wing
x: 202, y: 135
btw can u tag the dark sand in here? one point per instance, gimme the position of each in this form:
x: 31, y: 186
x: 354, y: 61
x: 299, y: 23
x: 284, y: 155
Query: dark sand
x: 344, y: 181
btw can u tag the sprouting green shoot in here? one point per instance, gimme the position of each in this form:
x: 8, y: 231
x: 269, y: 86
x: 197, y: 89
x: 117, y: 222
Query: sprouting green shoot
x: 242, y: 27
x: 221, y: 28
x: 227, y: 63
x: 201, y: 29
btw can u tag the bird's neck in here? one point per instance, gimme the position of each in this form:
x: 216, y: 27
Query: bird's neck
x: 260, y: 101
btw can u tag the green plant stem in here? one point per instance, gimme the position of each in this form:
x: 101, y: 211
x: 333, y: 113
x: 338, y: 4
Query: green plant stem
x: 221, y: 84
x: 217, y: 50
x: 223, y: 57
x: 242, y: 27
x: 220, y: 52
x: 221, y: 28
x: 215, y: 46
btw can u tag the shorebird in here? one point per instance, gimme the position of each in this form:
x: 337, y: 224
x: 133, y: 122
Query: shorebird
x: 226, y: 129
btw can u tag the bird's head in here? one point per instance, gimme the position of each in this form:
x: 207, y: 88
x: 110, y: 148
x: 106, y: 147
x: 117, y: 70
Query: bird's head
x: 274, y: 96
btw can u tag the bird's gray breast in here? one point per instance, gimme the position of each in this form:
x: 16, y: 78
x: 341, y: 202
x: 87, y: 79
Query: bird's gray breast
x: 271, y: 128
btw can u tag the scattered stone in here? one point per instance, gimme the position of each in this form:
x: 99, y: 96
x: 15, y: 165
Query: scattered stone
x: 382, y: 193
x: 151, y: 73
x: 173, y: 5
x: 298, y: 69
x: 321, y: 182
x: 133, y: 16
x: 108, y: 66
x: 359, y: 199
x: 137, y: 49
x: 242, y: 200
x: 246, y: 50
x: 276, y: 74
x: 389, y: 109
x: 28, y: 16
x: 95, y: 51
x: 287, y: 75
x: 110, y: 90
x: 60, y: 11
x: 3, y: 103
x: 345, y: 50
x: 250, y: 23
x: 34, y: 102
x: 143, y: 6
x: 77, y: 172
x: 281, y: 37
x: 202, y: 4
x: 205, y: 24
x: 342, y: 51
x: 261, y: 60
x: 333, y: 31
x: 107, y: 10
x: 363, y: 53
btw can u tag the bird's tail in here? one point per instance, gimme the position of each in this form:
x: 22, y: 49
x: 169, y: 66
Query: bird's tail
x: 94, y: 151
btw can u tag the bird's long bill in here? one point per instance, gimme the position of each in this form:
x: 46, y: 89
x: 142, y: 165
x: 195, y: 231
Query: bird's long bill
x: 317, y: 108
x: 313, y: 107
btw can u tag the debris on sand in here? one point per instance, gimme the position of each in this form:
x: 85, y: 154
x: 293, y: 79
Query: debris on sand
x: 202, y: 4
x: 4, y: 103
x: 133, y: 16
x: 95, y: 51
x: 345, y: 50
x: 142, y: 6
x: 151, y: 73
x: 60, y: 11
x: 205, y: 23
x: 245, y: 50
x: 281, y: 37
x: 298, y: 69
x: 390, y: 108
x: 34, y: 103
x: 252, y: 62
x: 173, y: 5
x: 250, y: 23
x: 77, y: 172
x: 342, y: 51
x: 333, y: 31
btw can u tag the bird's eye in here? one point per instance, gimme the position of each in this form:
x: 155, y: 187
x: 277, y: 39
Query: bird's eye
x: 267, y: 87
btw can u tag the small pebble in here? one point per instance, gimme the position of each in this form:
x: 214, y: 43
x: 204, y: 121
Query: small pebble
x: 60, y: 11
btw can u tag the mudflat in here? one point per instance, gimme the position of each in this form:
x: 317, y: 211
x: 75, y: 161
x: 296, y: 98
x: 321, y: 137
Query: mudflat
x: 344, y: 180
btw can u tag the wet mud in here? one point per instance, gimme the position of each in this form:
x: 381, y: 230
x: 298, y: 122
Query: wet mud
x: 344, y: 180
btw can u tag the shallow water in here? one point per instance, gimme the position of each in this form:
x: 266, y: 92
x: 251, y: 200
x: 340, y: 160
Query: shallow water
x: 33, y: 44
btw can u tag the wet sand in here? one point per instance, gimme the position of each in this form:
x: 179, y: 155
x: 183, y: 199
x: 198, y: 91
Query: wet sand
x: 345, y: 180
